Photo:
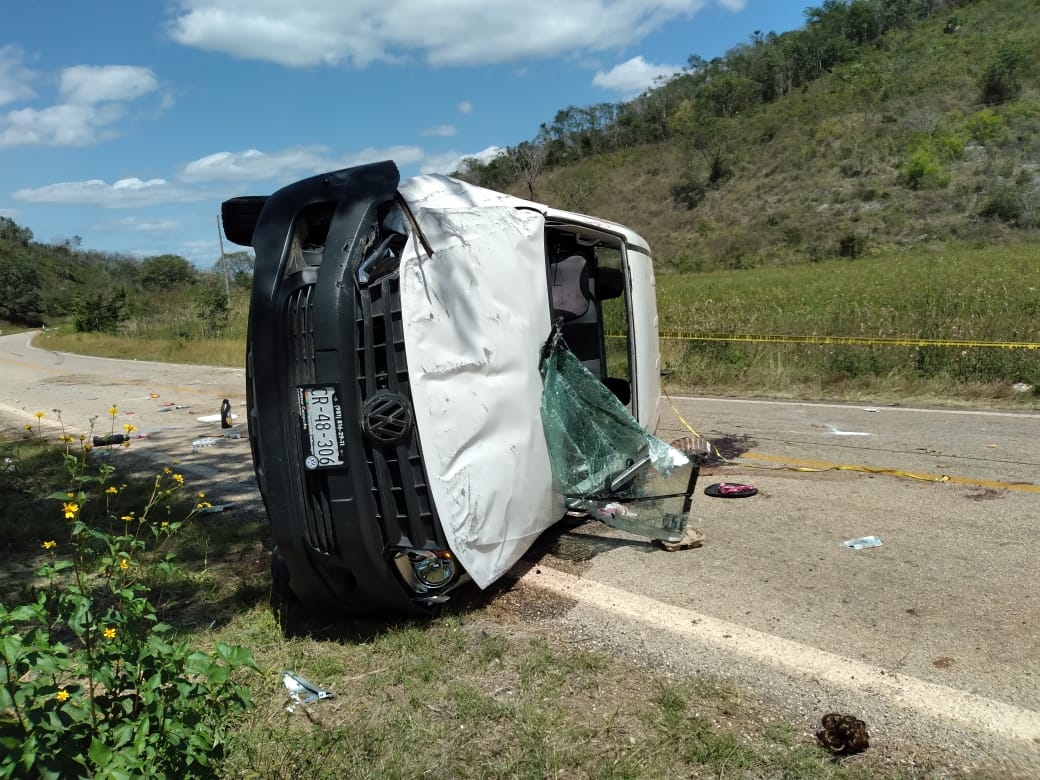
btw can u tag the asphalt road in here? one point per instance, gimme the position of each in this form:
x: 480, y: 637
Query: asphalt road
x: 933, y: 637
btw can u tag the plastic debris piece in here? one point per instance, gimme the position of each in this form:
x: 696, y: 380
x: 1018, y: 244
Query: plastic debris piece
x: 303, y: 691
x: 205, y: 441
x: 862, y: 542
x: 153, y: 395
x: 231, y: 435
x: 211, y: 418
x: 215, y: 508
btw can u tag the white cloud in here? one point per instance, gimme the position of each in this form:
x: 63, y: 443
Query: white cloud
x: 634, y: 75
x: 93, y: 100
x: 288, y: 164
x: 62, y: 125
x: 441, y: 130
x: 9, y: 213
x: 136, y: 225
x: 125, y: 193
x: 254, y: 165
x: 15, y: 78
x: 449, y: 162
x: 441, y: 32
x: 464, y: 107
x: 733, y: 5
x: 86, y: 84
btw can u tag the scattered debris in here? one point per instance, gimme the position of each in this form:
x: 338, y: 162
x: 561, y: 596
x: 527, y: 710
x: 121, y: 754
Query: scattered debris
x: 205, y: 441
x: 212, y: 418
x: 215, y: 508
x: 302, y: 690
x: 1021, y: 387
x: 843, y: 735
x: 862, y: 543
x: 105, y: 441
x: 691, y: 539
x: 730, y: 490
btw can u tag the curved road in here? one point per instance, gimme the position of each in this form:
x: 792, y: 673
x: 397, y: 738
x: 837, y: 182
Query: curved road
x: 933, y: 638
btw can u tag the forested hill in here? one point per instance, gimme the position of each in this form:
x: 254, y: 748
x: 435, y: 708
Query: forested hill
x: 880, y: 125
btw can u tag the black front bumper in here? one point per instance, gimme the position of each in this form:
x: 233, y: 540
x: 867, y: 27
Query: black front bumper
x: 349, y: 534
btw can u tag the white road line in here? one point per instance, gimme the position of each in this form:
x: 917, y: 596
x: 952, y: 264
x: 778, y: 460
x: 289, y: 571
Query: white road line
x: 940, y: 701
x: 853, y: 406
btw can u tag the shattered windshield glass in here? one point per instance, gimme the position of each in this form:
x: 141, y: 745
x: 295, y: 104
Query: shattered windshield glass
x: 602, y: 460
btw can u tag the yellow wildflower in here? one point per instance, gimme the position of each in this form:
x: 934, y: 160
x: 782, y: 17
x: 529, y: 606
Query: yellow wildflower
x: 40, y: 415
x: 127, y: 518
x: 111, y: 490
x: 178, y: 478
x: 110, y: 633
x: 129, y: 428
x: 167, y: 470
x: 28, y: 426
x: 202, y: 495
x: 164, y: 524
x: 62, y: 695
x: 113, y: 411
x: 65, y: 439
x: 124, y: 564
x: 50, y: 544
x: 71, y: 509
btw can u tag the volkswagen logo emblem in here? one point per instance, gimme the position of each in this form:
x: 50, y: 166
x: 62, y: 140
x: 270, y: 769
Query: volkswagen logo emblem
x: 386, y: 418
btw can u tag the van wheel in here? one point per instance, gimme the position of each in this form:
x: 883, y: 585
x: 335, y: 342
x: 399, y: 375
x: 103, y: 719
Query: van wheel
x: 239, y: 216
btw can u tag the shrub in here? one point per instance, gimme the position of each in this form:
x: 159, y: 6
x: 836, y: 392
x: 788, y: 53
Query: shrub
x: 1004, y: 204
x: 91, y: 682
x: 924, y: 172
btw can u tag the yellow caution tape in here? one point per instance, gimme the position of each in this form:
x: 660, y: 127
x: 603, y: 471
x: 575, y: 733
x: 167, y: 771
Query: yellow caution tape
x: 818, y: 466
x: 815, y: 466
x: 837, y: 340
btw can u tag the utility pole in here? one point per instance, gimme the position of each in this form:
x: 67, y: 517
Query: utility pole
x: 223, y: 263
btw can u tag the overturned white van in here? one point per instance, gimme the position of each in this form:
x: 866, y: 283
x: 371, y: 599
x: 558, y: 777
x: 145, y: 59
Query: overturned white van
x: 398, y: 338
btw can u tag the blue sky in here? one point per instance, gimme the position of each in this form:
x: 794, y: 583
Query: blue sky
x: 127, y: 122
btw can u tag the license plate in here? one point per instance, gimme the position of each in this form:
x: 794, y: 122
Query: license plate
x: 322, y: 419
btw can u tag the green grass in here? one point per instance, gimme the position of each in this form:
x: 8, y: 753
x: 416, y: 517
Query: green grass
x: 465, y: 696
x: 963, y: 293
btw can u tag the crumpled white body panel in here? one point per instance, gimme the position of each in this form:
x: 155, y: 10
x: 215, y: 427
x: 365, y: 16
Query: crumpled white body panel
x: 475, y: 318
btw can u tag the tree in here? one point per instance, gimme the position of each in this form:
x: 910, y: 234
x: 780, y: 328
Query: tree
x: 165, y: 271
x: 99, y: 311
x: 20, y: 289
x: 1000, y: 82
x: 13, y: 232
x: 529, y: 158
x: 212, y: 309
x: 239, y: 267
